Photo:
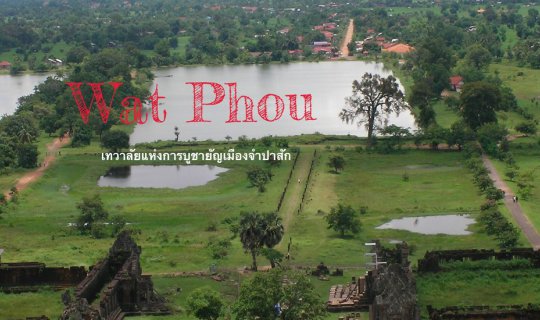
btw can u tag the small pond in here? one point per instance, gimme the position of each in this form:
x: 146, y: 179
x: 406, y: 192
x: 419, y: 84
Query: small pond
x: 453, y: 224
x: 175, y: 177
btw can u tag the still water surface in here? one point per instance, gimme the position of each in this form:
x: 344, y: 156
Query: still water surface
x: 14, y: 87
x: 328, y: 82
x: 453, y: 224
x: 174, y: 177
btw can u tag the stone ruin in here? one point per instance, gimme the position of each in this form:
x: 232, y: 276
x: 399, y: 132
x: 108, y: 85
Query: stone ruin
x: 515, y: 312
x: 115, y: 287
x: 388, y: 291
x: 30, y: 276
x: 432, y: 259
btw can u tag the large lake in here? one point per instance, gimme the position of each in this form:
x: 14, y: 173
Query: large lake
x: 14, y: 87
x: 328, y: 82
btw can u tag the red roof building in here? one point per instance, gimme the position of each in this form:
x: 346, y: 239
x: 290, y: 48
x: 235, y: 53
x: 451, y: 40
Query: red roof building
x: 456, y: 82
x: 5, y: 65
x: 328, y: 35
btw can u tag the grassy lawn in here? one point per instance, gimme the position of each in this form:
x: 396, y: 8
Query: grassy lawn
x: 477, y: 287
x: 44, y: 302
x: 174, y: 222
x: 438, y: 184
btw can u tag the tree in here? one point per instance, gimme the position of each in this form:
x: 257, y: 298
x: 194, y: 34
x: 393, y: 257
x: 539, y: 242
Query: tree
x: 373, y: 99
x: 478, y: 56
x: 115, y: 140
x: 268, y: 296
x: 205, y: 303
x: 92, y: 211
x: 342, y: 219
x: 258, y: 230
x: 27, y: 155
x: 459, y: 134
x: 337, y: 163
x: 479, y: 101
x: 176, y: 133
x: 396, y: 135
x: 527, y: 127
x: 259, y: 177
x: 82, y: 136
x: 489, y: 136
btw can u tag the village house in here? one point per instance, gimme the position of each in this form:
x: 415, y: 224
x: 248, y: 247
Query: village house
x: 456, y: 82
x: 4, y: 65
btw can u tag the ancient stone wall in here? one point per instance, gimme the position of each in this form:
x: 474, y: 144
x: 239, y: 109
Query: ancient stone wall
x: 432, y: 259
x: 485, y: 312
x: 118, y: 282
x: 21, y: 277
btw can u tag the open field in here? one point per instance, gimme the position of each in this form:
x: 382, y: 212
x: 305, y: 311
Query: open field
x: 174, y: 223
x: 44, y: 302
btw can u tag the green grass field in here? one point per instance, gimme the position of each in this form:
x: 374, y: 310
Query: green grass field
x: 174, y: 222
x: 477, y: 288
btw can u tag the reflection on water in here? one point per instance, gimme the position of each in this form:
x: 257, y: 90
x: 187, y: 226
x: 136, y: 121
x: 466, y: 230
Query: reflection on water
x: 175, y: 177
x: 453, y: 224
x: 14, y: 87
x: 328, y: 83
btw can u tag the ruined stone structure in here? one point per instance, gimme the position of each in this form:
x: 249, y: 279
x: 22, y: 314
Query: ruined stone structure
x: 518, y: 312
x: 29, y: 276
x: 432, y: 259
x: 115, y: 287
x: 394, y: 291
x: 388, y: 291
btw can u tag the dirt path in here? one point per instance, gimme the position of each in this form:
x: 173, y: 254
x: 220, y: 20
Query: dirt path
x: 30, y: 177
x: 515, y: 209
x: 292, y: 199
x: 348, y: 37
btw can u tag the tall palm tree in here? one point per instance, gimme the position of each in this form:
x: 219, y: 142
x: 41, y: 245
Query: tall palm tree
x: 273, y: 229
x: 251, y: 230
x: 257, y: 231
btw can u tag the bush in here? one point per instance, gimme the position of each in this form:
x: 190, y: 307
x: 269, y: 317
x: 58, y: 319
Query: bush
x: 205, y: 303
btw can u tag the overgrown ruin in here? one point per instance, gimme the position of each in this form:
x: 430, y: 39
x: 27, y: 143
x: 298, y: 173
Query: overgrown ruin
x: 113, y: 288
x: 388, y: 291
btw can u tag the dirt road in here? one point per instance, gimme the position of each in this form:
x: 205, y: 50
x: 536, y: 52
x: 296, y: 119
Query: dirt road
x: 515, y: 209
x: 348, y: 37
x: 52, y: 150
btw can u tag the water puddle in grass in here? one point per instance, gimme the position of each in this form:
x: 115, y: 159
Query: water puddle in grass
x: 453, y: 224
x: 174, y: 177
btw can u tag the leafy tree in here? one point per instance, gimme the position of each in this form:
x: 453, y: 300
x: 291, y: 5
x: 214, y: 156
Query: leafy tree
x: 436, y: 135
x: 258, y: 230
x: 205, y: 303
x: 27, y: 155
x: 479, y: 101
x: 527, y: 128
x: 176, y: 133
x: 373, y: 99
x: 460, y: 134
x: 259, y: 177
x: 115, y: 140
x: 22, y: 127
x: 342, y: 219
x: 337, y: 163
x: 396, y: 135
x: 296, y: 296
x: 92, y: 211
x: 489, y: 135
x: 478, y: 56
x: 82, y: 136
